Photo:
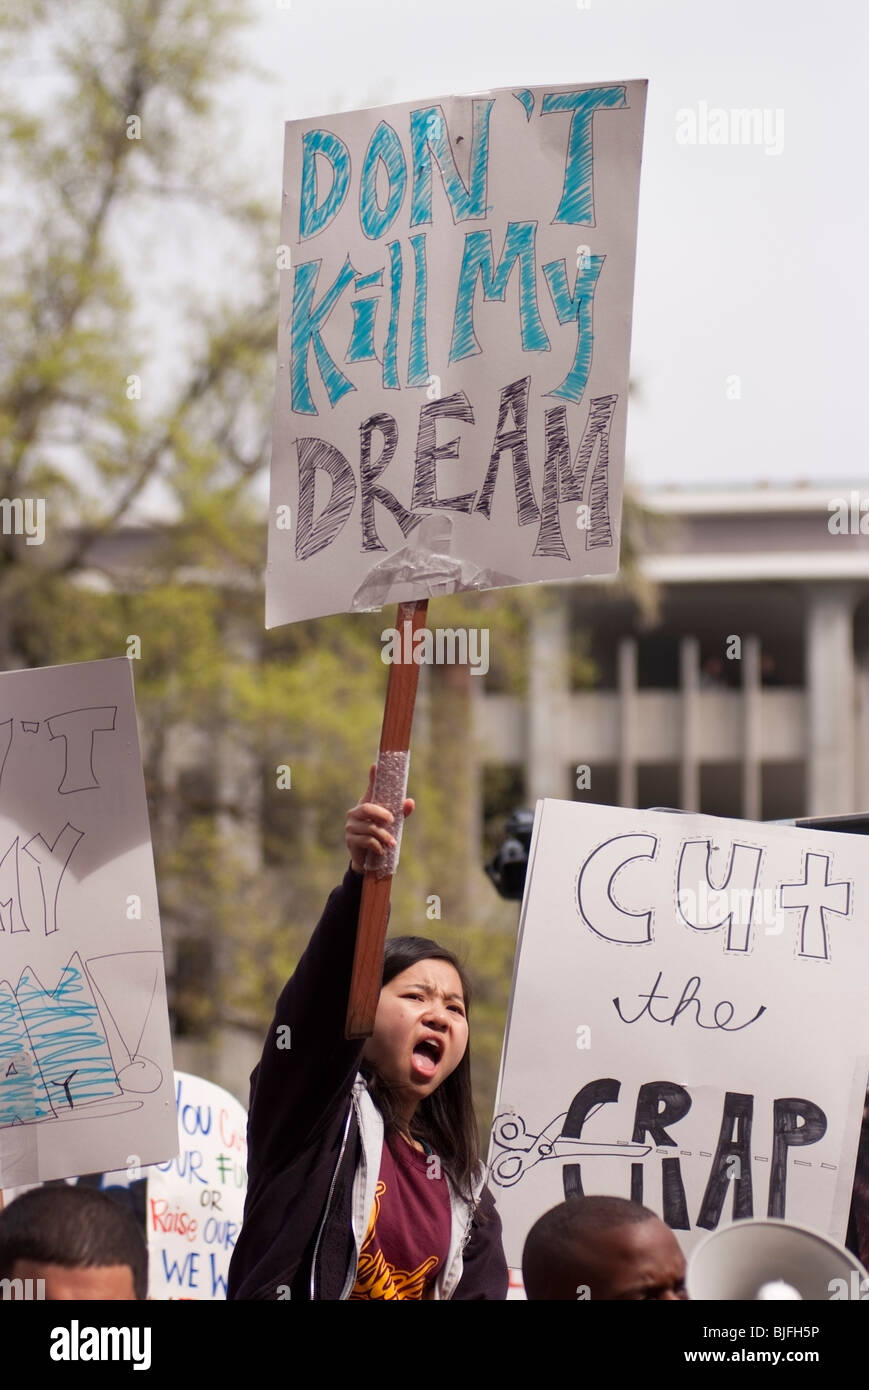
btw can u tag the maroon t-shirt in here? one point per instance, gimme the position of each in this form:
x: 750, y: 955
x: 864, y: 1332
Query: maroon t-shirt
x: 408, y: 1235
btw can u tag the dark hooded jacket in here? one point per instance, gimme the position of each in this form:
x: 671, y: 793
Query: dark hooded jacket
x: 314, y: 1143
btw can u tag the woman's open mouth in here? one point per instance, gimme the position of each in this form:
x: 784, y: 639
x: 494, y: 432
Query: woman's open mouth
x: 427, y: 1054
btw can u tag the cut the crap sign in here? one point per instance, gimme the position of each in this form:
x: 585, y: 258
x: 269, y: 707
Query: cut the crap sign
x: 455, y: 308
x: 688, y: 1026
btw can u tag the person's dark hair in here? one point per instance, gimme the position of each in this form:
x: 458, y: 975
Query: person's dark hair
x: 551, y: 1246
x: 445, y: 1120
x: 76, y: 1227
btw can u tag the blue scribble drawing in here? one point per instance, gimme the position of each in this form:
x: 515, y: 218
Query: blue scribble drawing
x: 55, y: 1055
x: 23, y: 1097
x: 67, y: 1035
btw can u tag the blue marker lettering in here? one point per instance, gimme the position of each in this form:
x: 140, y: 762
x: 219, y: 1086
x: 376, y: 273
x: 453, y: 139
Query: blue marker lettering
x: 519, y: 243
x: 313, y: 218
x: 417, y: 360
x: 577, y: 196
x: 384, y: 148
x: 576, y: 307
x: 307, y: 323
x: 429, y: 136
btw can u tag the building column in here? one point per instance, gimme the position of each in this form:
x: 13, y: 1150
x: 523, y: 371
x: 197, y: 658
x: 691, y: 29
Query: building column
x: 547, y: 702
x: 830, y: 691
x: 627, y: 752
x: 689, y: 680
x: 239, y: 772
x: 453, y: 762
x: 863, y: 734
x: 752, y: 751
x: 479, y: 888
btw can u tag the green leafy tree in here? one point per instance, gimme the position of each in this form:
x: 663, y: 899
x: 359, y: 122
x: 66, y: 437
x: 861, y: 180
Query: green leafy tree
x: 254, y: 744
x: 86, y: 422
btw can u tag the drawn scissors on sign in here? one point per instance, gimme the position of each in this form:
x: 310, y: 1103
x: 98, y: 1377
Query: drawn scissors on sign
x: 524, y: 1150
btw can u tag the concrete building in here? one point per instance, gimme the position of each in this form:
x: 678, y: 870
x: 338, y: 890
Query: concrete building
x: 748, y: 695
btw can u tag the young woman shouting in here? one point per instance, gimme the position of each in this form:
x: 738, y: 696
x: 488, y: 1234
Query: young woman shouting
x: 364, y: 1178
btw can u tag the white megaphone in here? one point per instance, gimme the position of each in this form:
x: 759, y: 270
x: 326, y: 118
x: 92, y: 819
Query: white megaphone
x: 773, y: 1259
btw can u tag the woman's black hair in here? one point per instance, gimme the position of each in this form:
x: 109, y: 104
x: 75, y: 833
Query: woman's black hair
x: 445, y: 1120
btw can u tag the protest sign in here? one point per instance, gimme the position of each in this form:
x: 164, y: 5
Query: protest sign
x: 190, y: 1208
x: 195, y: 1202
x: 85, y: 1054
x: 688, y: 1023
x: 455, y: 305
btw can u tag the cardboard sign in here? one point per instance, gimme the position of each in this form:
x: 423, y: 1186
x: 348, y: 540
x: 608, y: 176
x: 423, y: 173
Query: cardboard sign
x: 688, y: 1026
x: 455, y: 307
x: 189, y: 1209
x: 195, y: 1202
x: 85, y: 1054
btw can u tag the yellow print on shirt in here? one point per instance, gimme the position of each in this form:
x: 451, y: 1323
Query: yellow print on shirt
x: 376, y: 1278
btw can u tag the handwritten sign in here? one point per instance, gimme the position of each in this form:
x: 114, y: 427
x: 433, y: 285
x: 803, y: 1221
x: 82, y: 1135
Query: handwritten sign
x: 688, y: 1025
x: 455, y: 307
x: 195, y: 1201
x: 85, y: 1054
x: 190, y: 1208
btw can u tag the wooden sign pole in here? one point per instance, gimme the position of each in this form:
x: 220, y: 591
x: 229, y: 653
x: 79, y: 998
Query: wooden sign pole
x: 374, y: 908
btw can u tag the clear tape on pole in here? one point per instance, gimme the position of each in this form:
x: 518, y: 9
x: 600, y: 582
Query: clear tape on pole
x: 390, y: 790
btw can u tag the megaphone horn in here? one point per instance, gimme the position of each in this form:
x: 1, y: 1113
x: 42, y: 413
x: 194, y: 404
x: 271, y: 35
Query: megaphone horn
x: 751, y: 1260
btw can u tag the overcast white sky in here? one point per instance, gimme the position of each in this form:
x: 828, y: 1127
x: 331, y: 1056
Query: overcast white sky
x: 749, y: 264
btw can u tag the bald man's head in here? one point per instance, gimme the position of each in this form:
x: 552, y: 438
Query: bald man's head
x: 602, y: 1248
